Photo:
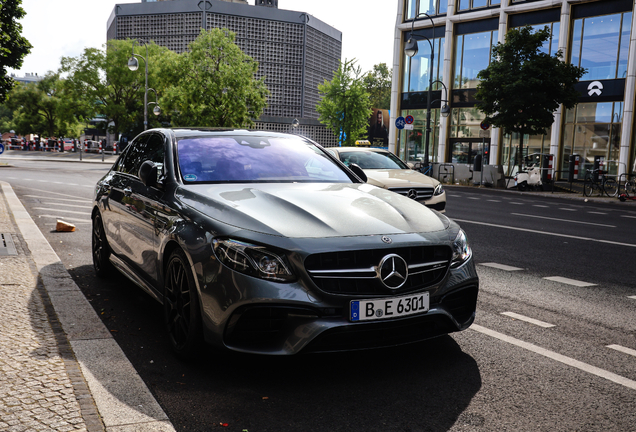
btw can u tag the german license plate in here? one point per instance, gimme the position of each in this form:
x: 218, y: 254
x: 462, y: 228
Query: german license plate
x: 394, y: 307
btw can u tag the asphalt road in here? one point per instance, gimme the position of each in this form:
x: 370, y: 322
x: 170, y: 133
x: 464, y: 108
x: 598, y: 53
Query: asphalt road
x: 544, y: 354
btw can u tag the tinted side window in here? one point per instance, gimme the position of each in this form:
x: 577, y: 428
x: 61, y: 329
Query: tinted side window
x: 134, y: 155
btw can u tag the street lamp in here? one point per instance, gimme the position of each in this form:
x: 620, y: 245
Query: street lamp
x: 410, y: 49
x: 133, y: 65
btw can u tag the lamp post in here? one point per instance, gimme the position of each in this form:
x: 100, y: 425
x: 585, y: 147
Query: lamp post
x: 411, y: 50
x: 133, y: 65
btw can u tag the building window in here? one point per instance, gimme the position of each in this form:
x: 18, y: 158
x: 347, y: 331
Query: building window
x: 601, y: 44
x: 416, y: 68
x: 593, y: 129
x: 466, y: 5
x: 411, y: 143
x: 430, y: 7
x: 473, y: 53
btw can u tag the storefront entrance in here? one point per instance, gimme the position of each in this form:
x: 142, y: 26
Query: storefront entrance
x: 465, y: 150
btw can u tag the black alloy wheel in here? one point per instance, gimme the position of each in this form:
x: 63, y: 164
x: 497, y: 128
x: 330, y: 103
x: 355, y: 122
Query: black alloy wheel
x: 100, y: 249
x: 181, y: 307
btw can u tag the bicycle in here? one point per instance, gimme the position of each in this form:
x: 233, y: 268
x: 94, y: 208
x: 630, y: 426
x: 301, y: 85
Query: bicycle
x: 599, y: 181
x: 627, y: 190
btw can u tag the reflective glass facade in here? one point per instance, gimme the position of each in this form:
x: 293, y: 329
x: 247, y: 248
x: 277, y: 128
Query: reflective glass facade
x: 593, y: 34
x: 601, y: 45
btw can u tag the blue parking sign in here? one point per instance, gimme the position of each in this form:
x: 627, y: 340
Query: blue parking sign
x: 400, y: 122
x: 1, y: 148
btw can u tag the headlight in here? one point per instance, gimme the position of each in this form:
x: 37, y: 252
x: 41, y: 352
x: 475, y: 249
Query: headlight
x: 461, y: 250
x: 439, y: 189
x: 252, y: 260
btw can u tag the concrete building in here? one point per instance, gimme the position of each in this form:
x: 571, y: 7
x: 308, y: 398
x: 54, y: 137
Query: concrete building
x: 596, y: 35
x: 27, y: 78
x: 295, y: 51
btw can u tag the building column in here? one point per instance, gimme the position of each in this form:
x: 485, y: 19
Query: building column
x: 495, y: 135
x: 447, y: 79
x: 398, y: 53
x: 627, y: 128
x: 557, y: 125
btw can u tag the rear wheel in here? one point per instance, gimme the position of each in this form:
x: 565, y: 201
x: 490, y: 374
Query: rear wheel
x: 100, y: 249
x: 181, y: 307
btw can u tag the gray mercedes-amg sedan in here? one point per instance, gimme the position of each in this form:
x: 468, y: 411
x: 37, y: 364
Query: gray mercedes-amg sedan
x: 265, y: 243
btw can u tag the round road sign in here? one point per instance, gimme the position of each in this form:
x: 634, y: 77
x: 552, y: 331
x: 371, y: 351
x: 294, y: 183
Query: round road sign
x: 399, y: 122
x: 1, y: 148
x: 409, y: 119
x: 484, y: 125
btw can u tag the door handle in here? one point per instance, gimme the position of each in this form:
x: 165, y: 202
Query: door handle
x: 127, y: 191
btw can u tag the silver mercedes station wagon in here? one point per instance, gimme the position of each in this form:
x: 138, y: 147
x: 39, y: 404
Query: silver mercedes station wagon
x: 266, y: 243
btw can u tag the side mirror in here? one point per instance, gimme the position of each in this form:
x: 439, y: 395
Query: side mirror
x: 358, y: 171
x: 410, y: 165
x: 148, y: 173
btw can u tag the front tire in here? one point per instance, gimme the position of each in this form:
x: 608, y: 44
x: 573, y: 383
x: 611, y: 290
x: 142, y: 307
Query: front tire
x: 100, y: 249
x: 181, y: 307
x: 611, y: 187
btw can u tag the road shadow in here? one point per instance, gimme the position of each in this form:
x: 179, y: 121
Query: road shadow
x: 419, y: 387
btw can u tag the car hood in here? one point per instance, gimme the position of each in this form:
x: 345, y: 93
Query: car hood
x: 389, y: 178
x: 303, y: 210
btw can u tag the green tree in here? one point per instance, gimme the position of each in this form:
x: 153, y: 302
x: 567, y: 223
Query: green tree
x: 522, y: 87
x: 378, y: 85
x: 345, y: 106
x: 103, y: 86
x: 6, y: 118
x: 13, y: 46
x: 42, y: 108
x: 212, y: 84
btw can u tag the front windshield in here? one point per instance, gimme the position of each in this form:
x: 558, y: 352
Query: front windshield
x: 255, y: 159
x: 372, y: 160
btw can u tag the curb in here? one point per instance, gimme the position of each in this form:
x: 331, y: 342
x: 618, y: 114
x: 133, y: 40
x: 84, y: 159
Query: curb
x: 123, y: 401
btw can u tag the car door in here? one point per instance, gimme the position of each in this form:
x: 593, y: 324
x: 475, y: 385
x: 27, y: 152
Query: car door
x: 142, y: 206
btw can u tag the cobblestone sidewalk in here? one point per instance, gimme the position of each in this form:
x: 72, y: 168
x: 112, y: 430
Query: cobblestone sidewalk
x: 41, y: 386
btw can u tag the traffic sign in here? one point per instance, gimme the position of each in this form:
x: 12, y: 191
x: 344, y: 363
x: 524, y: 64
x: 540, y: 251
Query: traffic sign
x: 484, y: 125
x: 1, y: 148
x: 409, y: 119
x: 400, y: 122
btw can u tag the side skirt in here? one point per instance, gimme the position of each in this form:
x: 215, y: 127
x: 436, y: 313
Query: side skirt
x: 130, y: 274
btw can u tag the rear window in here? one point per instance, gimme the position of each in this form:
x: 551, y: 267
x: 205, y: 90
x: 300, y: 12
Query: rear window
x: 255, y: 159
x: 372, y: 160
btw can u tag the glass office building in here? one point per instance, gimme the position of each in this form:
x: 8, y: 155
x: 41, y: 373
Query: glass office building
x: 595, y: 35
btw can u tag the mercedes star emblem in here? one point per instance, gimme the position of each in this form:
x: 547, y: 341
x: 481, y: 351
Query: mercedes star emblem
x: 387, y: 239
x: 412, y: 194
x: 393, y: 271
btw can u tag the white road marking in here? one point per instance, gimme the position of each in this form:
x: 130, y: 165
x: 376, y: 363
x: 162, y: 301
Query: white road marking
x: 65, y: 218
x: 541, y: 206
x: 473, y: 198
x: 517, y: 203
x: 627, y: 216
x: 71, y: 205
x: 558, y: 357
x: 60, y: 199
x: 631, y: 297
x: 569, y: 281
x: 528, y: 319
x: 545, y: 232
x: 63, y: 211
x: 598, y: 213
x: 501, y: 266
x: 494, y: 201
x: 568, y: 209
x: 563, y: 220
x: 623, y: 349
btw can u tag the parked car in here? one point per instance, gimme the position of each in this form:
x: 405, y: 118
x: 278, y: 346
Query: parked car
x: 265, y: 243
x: 385, y: 170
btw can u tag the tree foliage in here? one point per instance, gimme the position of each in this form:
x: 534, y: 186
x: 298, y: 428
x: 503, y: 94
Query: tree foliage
x: 345, y: 106
x: 43, y: 108
x: 13, y: 46
x: 522, y: 87
x: 212, y: 84
x: 378, y: 85
x: 102, y: 85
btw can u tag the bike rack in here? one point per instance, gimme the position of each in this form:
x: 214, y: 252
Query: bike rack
x: 445, y: 167
x: 622, y: 181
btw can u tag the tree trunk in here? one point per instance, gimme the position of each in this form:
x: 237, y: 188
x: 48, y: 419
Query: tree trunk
x: 520, y: 151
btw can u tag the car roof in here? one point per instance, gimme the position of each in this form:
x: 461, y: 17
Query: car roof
x: 184, y: 132
x: 360, y: 149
